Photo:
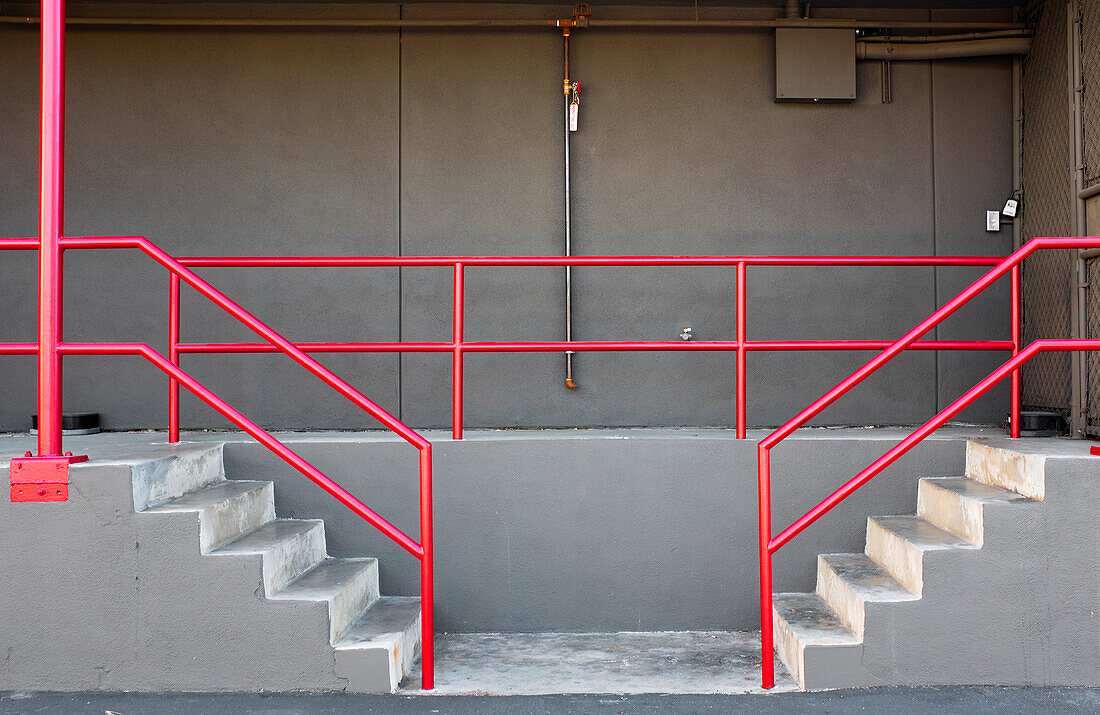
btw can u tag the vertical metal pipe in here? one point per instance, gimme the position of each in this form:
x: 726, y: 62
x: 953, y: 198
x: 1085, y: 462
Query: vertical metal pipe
x: 763, y: 489
x: 742, y: 369
x: 569, y: 382
x: 173, y: 357
x: 427, y: 577
x: 50, y: 220
x: 1014, y: 417
x: 456, y: 368
x: 1077, y: 301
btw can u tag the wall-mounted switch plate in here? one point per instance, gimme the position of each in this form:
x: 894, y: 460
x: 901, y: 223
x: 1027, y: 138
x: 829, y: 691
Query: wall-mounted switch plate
x: 993, y: 221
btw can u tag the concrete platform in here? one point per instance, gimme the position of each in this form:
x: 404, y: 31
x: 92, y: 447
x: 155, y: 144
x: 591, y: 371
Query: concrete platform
x: 695, y: 662
x: 564, y: 530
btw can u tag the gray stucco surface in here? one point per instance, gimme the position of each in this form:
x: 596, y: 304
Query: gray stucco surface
x: 421, y: 142
x: 620, y: 531
x: 624, y: 530
x: 99, y: 597
x: 1021, y: 609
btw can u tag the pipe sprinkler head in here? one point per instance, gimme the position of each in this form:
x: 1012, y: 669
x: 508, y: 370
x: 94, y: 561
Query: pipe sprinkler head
x: 570, y: 384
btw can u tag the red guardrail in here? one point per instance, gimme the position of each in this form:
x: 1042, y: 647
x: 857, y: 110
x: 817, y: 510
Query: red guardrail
x: 458, y: 347
x: 423, y: 550
x: 768, y: 544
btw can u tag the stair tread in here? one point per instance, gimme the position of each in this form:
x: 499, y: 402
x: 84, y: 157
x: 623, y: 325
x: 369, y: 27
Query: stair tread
x: 921, y: 533
x: 811, y: 620
x: 382, y: 624
x: 973, y: 489
x: 269, y: 536
x: 208, y: 496
x: 325, y: 580
x: 867, y: 579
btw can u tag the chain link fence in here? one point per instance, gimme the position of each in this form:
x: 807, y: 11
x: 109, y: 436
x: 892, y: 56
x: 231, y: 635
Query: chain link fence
x: 1090, y: 82
x: 1092, y: 398
x: 1047, y: 176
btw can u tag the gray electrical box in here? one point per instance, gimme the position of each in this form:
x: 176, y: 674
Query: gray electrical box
x: 815, y: 65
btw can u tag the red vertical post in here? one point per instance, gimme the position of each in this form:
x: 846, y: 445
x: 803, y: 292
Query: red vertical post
x: 764, y: 488
x: 1014, y: 417
x: 742, y: 369
x: 173, y: 357
x: 456, y: 368
x: 427, y: 578
x: 51, y: 207
x: 45, y: 478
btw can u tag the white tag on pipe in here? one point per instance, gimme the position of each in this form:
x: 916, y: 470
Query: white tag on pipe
x: 574, y: 110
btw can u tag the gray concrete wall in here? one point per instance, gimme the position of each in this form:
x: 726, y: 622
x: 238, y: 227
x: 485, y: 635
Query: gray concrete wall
x: 619, y: 530
x: 446, y: 142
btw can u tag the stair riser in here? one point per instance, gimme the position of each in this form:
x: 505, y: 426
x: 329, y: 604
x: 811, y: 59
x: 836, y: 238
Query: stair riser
x: 292, y: 558
x: 902, y: 559
x: 838, y: 595
x: 952, y: 512
x: 407, y: 649
x: 357, y: 596
x: 363, y: 666
x: 1016, y: 472
x: 788, y: 648
x: 236, y: 516
x: 157, y: 481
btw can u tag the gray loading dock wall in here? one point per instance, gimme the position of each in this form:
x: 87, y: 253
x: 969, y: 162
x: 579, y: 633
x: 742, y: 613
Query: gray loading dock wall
x: 447, y: 142
x: 618, y: 530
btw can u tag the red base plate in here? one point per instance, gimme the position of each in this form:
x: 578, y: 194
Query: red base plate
x: 1095, y: 451
x: 41, y: 479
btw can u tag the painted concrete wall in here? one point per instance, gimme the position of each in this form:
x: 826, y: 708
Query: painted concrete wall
x: 445, y: 142
x: 614, y: 530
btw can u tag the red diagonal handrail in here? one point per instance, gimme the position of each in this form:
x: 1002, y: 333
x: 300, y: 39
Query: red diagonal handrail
x: 769, y: 545
x: 424, y: 550
x: 252, y: 429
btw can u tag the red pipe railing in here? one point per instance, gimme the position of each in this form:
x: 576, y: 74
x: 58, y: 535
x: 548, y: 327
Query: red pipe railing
x: 179, y: 271
x: 423, y: 550
x: 768, y: 544
x: 458, y: 347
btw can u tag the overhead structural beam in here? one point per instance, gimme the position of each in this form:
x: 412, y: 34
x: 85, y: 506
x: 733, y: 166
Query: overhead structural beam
x: 350, y: 23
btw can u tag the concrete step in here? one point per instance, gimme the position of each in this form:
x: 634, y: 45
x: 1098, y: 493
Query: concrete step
x: 348, y: 586
x: 898, y: 544
x: 188, y: 469
x: 288, y: 547
x: 805, y: 626
x: 384, y: 640
x: 226, y: 510
x: 957, y: 505
x: 847, y: 582
x: 1021, y: 471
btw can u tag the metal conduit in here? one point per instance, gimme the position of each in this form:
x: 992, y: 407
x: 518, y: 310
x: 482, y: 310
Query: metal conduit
x: 567, y: 86
x: 943, y: 50
x: 520, y: 23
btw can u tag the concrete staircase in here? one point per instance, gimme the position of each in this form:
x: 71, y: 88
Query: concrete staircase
x: 374, y: 639
x: 948, y: 595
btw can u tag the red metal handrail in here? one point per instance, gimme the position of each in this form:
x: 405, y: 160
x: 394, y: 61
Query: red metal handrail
x: 768, y: 544
x: 458, y: 347
x: 423, y: 550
